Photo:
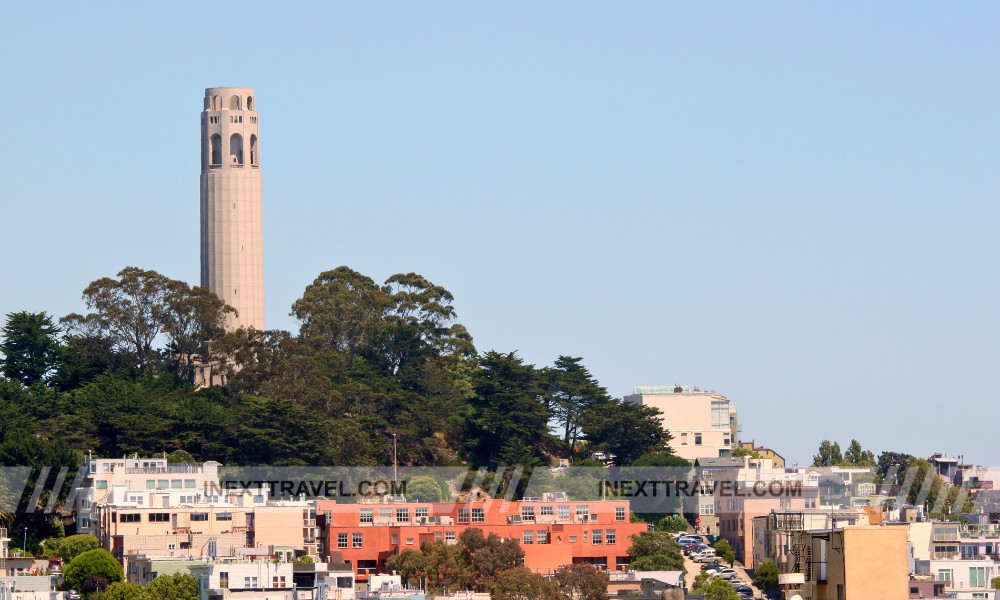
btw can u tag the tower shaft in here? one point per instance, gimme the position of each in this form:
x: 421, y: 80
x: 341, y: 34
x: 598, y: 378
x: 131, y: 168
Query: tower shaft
x: 232, y: 232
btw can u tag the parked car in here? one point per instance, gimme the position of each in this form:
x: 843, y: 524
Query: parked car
x: 712, y: 566
x: 73, y: 595
x: 726, y: 573
x: 707, y: 557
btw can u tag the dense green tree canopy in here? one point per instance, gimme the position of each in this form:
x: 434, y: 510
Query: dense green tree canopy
x: 92, y: 563
x: 30, y: 347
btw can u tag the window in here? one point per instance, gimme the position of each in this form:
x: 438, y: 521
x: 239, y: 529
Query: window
x: 236, y: 149
x: 619, y: 513
x: 103, y: 485
x: 597, y: 536
x: 409, y: 541
x: 582, y: 512
x: 190, y: 484
x: 420, y: 512
x: 528, y: 537
x: 357, y: 540
x: 199, y: 516
x: 224, y: 579
x: 546, y: 511
x: 234, y: 103
x: 394, y: 539
x: 162, y: 484
x: 367, y: 515
x: 563, y: 512
x: 131, y: 518
x: 84, y: 523
x: 249, y: 102
x: 610, y: 536
x: 341, y: 540
x: 528, y: 513
x: 85, y: 504
x: 159, y: 517
x: 543, y: 536
x: 402, y: 515
x: 945, y: 576
x: 437, y: 536
x: 224, y: 516
x: 478, y: 515
x: 171, y: 546
x: 385, y: 513
x: 977, y: 577
x: 250, y: 583
x: 449, y: 536
x: 572, y: 539
x: 150, y: 484
x: 463, y: 515
x: 697, y: 439
x: 175, y: 484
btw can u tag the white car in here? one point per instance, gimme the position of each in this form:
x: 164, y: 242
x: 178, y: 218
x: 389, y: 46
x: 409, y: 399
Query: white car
x: 705, y: 557
x: 725, y: 573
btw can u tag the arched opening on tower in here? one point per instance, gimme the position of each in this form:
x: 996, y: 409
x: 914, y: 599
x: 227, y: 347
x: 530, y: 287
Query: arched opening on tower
x: 216, y: 103
x: 234, y: 103
x: 236, y: 149
x: 254, y: 158
x: 249, y: 102
x: 216, y: 149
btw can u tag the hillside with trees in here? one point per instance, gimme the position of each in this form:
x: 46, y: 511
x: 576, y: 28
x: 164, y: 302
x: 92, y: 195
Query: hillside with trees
x: 369, y: 360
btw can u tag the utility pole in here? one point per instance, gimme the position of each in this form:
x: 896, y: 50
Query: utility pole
x: 395, y: 478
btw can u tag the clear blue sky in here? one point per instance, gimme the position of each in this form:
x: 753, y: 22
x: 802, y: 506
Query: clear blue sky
x: 793, y: 204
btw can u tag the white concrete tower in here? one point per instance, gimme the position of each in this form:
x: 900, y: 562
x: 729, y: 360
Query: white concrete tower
x: 232, y: 231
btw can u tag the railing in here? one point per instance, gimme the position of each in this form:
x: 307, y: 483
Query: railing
x: 162, y: 470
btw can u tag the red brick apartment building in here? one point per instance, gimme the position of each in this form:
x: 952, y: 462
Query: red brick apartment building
x: 552, y: 530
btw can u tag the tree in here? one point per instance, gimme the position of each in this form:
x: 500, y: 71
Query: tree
x: 655, y: 551
x: 672, y: 524
x: 661, y: 459
x: 92, y: 564
x: 409, y: 564
x: 765, y: 576
x: 718, y: 588
x: 829, y: 455
x: 858, y: 457
x: 129, y: 311
x: 522, y: 584
x: 657, y: 562
x: 625, y: 429
x: 891, y: 466
x: 507, y: 422
x: 423, y: 488
x: 30, y: 347
x: 488, y: 556
x: 124, y: 590
x: 995, y: 583
x: 725, y: 552
x: 572, y: 390
x: 582, y: 582
x: 700, y: 582
x: 179, y: 586
x: 741, y: 451
x: 194, y: 317
x: 68, y: 548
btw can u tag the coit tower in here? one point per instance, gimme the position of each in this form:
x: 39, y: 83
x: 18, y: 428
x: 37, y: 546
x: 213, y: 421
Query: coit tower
x: 232, y: 232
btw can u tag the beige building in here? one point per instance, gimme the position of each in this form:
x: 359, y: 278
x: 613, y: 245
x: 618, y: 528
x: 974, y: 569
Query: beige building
x: 851, y: 563
x: 147, y: 507
x: 144, y: 481
x: 232, y: 230
x: 703, y: 424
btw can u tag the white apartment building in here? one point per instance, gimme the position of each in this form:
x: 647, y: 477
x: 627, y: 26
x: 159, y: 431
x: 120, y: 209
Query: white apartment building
x: 145, y: 506
x: 702, y: 423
